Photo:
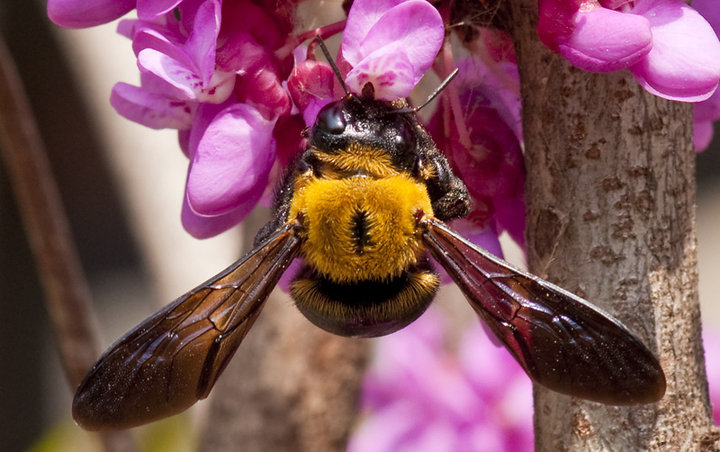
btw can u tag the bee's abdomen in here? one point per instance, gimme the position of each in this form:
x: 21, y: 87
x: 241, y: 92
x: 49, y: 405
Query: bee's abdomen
x: 361, y: 228
x: 365, y: 308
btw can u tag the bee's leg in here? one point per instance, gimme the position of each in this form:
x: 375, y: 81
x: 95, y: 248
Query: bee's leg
x: 448, y: 194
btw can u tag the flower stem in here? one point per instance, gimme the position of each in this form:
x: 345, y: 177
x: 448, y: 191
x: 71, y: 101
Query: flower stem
x: 67, y: 293
x: 459, y: 119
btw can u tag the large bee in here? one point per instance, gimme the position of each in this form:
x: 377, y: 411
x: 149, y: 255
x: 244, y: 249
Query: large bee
x: 365, y: 207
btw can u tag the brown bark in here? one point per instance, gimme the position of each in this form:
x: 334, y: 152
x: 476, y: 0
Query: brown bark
x: 610, y: 204
x: 290, y: 387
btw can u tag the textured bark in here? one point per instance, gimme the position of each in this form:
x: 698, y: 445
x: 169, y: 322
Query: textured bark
x: 610, y: 195
x: 290, y: 387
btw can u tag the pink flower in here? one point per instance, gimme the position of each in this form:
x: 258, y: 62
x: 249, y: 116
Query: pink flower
x: 684, y: 63
x: 707, y: 111
x: 87, y: 13
x: 711, y: 343
x: 419, y: 396
x: 176, y: 76
x: 390, y: 43
x: 492, y: 166
x: 209, y: 70
x: 704, y: 114
x: 231, y: 153
x: 669, y: 48
x: 311, y: 85
x: 591, y: 37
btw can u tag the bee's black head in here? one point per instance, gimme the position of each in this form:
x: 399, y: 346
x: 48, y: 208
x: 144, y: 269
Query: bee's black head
x: 367, y: 122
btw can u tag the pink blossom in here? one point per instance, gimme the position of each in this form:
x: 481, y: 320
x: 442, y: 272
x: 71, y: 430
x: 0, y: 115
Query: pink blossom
x: 707, y: 111
x: 208, y: 69
x: 669, y: 48
x: 704, y: 114
x: 87, y: 13
x: 230, y: 160
x: 711, y: 343
x: 390, y: 43
x: 311, y: 85
x: 420, y: 396
x: 591, y: 37
x: 684, y: 63
x: 175, y: 76
x: 492, y: 166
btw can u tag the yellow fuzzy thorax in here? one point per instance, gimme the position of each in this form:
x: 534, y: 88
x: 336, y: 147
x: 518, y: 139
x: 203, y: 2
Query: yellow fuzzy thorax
x: 360, y: 228
x: 356, y: 157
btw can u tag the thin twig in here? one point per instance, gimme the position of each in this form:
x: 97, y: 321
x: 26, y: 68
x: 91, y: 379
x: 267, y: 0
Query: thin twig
x: 67, y: 294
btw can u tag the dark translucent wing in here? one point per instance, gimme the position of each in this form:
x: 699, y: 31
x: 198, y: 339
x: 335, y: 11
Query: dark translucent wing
x: 562, y: 341
x: 173, y: 358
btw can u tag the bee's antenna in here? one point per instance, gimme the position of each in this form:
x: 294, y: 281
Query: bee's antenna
x: 432, y: 96
x: 331, y: 61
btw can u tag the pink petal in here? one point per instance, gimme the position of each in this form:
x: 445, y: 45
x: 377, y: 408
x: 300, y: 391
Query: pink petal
x: 390, y: 71
x: 180, y: 80
x: 481, y: 235
x: 510, y: 216
x: 239, y: 51
x: 202, y: 41
x: 499, y: 85
x: 711, y: 344
x: 604, y: 40
x: 309, y: 81
x: 556, y: 20
x: 702, y: 134
x: 710, y: 11
x: 203, y: 226
x: 145, y: 37
x: 151, y: 9
x: 412, y: 30
x: 476, y: 349
x: 263, y: 89
x: 494, y: 166
x: 150, y: 109
x: 385, y: 429
x: 414, y: 23
x: 708, y: 109
x: 363, y: 15
x: 184, y: 141
x: 684, y: 63
x: 231, y: 161
x: 87, y: 13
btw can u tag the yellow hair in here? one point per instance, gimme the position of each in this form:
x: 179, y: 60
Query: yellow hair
x: 375, y: 162
x: 330, y: 210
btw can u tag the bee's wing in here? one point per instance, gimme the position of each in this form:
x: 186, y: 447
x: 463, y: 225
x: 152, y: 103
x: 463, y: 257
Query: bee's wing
x: 561, y: 340
x: 172, y: 359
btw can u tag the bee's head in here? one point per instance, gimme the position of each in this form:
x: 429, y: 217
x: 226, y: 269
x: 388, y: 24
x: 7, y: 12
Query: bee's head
x: 367, y: 122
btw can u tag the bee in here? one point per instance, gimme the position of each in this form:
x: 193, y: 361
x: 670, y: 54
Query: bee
x: 365, y: 207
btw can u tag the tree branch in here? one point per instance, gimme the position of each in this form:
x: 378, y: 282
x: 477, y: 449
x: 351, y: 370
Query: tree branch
x: 611, y: 217
x: 67, y: 294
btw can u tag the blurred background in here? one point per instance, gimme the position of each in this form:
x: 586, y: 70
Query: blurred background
x: 122, y: 186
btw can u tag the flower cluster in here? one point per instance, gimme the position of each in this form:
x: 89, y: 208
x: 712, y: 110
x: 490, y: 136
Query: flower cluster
x: 423, y: 397
x: 671, y: 49
x: 711, y: 343
x: 667, y: 45
x: 484, y: 148
x: 234, y: 82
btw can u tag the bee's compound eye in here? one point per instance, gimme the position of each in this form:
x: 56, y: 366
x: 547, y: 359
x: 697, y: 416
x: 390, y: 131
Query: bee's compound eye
x: 404, y: 139
x: 331, y: 119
